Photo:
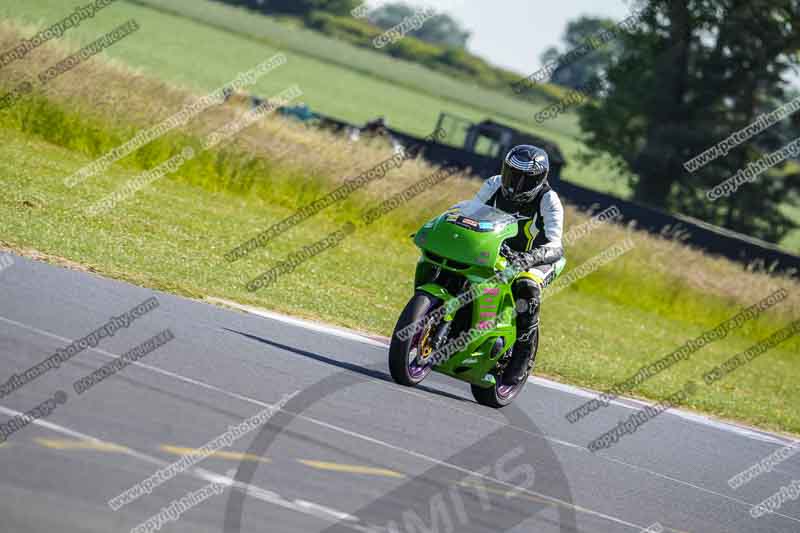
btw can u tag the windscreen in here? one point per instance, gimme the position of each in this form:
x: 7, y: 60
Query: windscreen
x: 481, y: 212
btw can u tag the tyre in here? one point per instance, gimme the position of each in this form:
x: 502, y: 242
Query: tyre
x: 406, y: 357
x: 497, y: 396
x: 501, y: 395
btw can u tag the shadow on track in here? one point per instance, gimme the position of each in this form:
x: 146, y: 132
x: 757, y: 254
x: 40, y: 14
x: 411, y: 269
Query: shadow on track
x: 377, y: 374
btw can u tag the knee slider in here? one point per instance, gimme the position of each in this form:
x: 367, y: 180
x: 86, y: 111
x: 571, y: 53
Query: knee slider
x: 527, y: 289
x: 527, y: 295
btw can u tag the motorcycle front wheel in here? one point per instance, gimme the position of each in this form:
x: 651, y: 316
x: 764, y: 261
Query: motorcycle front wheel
x: 407, y: 357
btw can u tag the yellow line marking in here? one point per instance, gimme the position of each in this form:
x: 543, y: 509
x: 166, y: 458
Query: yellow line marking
x: 352, y: 469
x: 67, y: 444
x: 236, y: 456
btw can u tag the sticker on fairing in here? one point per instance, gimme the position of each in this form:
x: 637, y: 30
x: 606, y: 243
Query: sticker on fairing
x: 470, y: 223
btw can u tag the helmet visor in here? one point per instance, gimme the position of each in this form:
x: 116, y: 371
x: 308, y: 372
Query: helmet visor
x: 517, y: 182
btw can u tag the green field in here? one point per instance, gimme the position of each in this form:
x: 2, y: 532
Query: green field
x: 337, y: 78
x: 411, y: 97
x: 340, y: 79
x: 173, y: 235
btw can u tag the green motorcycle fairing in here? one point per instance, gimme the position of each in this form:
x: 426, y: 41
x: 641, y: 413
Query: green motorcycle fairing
x: 465, y: 241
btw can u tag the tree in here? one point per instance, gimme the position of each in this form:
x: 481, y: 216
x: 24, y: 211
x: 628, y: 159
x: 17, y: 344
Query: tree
x: 440, y: 29
x: 577, y: 74
x: 689, y: 76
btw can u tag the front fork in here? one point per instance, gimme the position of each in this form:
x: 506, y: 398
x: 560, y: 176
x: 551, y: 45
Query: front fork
x: 425, y: 273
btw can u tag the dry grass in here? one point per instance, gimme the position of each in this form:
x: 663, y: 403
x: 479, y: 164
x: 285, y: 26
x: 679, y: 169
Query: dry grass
x: 107, y: 90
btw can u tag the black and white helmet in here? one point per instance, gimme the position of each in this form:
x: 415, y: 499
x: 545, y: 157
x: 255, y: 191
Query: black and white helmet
x: 525, y: 171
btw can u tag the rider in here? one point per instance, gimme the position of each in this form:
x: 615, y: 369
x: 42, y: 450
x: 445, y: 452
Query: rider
x: 536, y: 251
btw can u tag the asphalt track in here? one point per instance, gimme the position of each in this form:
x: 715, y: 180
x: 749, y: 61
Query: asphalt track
x: 351, y: 451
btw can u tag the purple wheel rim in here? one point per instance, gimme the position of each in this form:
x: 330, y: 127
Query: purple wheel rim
x: 505, y: 391
x: 416, y: 372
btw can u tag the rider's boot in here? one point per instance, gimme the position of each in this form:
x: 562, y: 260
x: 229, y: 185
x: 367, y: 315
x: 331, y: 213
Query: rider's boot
x: 523, y: 353
x: 523, y: 356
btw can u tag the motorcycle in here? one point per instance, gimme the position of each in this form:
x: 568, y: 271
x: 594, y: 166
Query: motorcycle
x: 461, y: 321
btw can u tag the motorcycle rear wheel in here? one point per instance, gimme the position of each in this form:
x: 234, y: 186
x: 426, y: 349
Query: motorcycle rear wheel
x: 497, y: 396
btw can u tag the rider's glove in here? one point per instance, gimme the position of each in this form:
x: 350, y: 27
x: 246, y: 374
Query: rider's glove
x: 521, y: 261
x: 515, y: 259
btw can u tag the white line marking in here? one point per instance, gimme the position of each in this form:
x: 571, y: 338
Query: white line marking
x: 300, y: 323
x: 692, y: 485
x: 636, y: 404
x: 627, y: 403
